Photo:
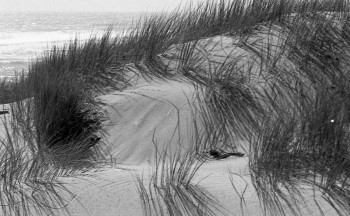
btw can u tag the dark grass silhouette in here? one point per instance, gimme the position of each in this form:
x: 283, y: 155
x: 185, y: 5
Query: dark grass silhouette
x: 170, y: 189
x: 304, y: 140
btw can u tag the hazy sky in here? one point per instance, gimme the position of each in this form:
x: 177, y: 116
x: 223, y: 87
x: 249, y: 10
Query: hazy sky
x: 89, y: 5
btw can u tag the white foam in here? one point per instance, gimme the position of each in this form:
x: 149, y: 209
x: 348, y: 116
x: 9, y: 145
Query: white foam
x: 15, y: 38
x: 22, y: 47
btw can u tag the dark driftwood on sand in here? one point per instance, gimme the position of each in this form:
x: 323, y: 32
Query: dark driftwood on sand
x: 222, y: 155
x: 4, y: 112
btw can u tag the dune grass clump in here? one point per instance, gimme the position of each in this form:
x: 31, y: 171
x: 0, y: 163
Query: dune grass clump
x: 305, y: 141
x: 54, y: 125
x: 64, y: 83
x: 29, y: 184
x: 290, y: 154
x: 170, y: 190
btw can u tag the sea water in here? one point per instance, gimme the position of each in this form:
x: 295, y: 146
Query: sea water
x: 25, y: 36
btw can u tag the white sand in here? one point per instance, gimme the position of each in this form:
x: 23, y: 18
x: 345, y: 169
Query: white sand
x: 146, y: 115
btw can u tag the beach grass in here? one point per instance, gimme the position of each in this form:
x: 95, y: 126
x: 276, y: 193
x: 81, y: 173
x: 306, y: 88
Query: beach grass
x: 304, y: 140
x: 295, y: 115
x: 29, y: 184
x: 170, y: 189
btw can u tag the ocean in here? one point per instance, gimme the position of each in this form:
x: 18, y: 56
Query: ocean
x: 24, y: 36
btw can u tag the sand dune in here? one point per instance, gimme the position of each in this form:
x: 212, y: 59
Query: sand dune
x: 155, y: 115
x: 145, y: 117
